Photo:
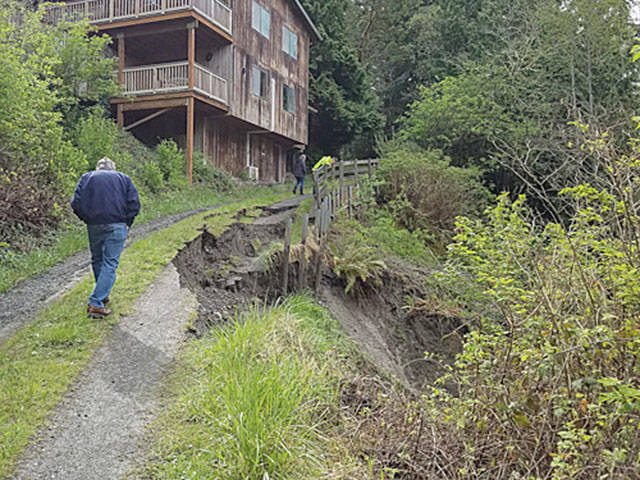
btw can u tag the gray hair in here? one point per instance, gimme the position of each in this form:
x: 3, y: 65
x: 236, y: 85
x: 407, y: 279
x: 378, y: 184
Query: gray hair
x: 105, y: 164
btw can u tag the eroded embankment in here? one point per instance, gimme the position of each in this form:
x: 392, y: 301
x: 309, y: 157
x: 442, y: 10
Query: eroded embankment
x: 243, y: 265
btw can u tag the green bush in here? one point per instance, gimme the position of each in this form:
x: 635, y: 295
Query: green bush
x: 424, y: 191
x: 172, y: 163
x: 548, y: 379
x: 204, y: 172
x: 96, y: 136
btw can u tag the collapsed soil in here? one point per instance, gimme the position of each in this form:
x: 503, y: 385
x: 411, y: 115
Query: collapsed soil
x: 236, y: 269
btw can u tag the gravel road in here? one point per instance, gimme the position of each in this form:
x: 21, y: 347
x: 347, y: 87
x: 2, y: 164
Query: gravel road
x: 98, y: 428
x: 29, y: 297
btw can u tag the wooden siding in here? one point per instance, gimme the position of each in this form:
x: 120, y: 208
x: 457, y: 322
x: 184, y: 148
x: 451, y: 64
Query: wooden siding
x: 224, y: 142
x: 255, y: 130
x: 253, y: 49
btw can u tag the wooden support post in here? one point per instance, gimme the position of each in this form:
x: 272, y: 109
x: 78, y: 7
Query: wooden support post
x: 355, y: 170
x: 341, y: 175
x: 121, y: 58
x: 190, y: 128
x: 285, y: 257
x: 191, y: 52
x: 325, y: 215
x: 120, y: 114
x: 370, y: 168
x: 350, y: 200
x: 302, y: 265
x: 318, y: 259
x: 316, y: 195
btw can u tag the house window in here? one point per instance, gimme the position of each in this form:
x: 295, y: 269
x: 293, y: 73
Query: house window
x: 259, y: 82
x: 288, y: 99
x: 289, y: 42
x: 260, y: 19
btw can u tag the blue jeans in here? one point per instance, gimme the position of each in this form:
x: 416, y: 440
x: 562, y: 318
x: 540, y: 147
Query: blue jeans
x: 301, y: 183
x: 106, y: 242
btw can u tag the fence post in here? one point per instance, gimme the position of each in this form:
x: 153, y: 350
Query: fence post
x: 315, y: 207
x: 370, y: 167
x: 327, y: 215
x: 341, y: 175
x: 303, y: 260
x: 318, y: 264
x: 285, y: 257
x: 350, y: 199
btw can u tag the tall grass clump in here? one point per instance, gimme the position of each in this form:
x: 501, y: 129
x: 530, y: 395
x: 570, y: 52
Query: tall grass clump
x: 251, y: 400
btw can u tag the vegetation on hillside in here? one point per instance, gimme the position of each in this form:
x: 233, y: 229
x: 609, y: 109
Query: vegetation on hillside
x: 517, y: 97
x: 54, y: 126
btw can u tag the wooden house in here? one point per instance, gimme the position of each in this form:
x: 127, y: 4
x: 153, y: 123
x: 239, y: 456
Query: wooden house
x: 228, y: 78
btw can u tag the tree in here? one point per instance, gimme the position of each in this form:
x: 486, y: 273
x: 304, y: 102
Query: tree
x: 340, y: 89
x: 50, y: 74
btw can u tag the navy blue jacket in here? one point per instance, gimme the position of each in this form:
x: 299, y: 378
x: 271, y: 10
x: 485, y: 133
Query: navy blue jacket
x: 105, y: 196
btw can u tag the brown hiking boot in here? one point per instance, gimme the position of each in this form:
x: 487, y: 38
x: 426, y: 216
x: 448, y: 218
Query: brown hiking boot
x: 97, y: 312
x: 105, y: 301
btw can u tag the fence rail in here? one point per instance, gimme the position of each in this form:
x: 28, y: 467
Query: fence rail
x: 172, y: 77
x: 104, y: 11
x: 337, y: 188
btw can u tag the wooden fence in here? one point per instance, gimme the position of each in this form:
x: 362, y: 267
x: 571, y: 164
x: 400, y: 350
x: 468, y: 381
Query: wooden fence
x: 337, y: 188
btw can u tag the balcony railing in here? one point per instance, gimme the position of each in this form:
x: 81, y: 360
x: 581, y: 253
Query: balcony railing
x: 104, y: 11
x: 173, y: 77
x: 210, y: 84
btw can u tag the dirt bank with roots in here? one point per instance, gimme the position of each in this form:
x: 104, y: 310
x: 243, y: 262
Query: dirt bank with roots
x: 242, y: 266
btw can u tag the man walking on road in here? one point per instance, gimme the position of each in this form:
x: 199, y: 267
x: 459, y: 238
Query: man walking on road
x: 107, y: 201
x: 299, y: 169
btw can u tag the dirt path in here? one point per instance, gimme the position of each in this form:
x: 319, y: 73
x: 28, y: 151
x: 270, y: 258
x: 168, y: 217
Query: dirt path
x: 24, y: 301
x: 98, y: 427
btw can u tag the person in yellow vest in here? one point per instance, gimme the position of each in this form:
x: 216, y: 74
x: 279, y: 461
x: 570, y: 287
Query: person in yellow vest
x: 324, y: 161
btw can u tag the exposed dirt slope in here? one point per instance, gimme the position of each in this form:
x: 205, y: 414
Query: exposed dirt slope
x: 235, y: 269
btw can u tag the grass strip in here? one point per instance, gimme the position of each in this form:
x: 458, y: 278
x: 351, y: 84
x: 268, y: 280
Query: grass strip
x: 251, y: 400
x: 41, y: 361
x: 71, y: 238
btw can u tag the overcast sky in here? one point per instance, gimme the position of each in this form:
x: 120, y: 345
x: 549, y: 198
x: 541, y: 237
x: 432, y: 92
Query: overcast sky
x: 636, y: 10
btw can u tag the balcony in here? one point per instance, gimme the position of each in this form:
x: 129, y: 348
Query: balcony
x: 108, y: 11
x: 174, y: 77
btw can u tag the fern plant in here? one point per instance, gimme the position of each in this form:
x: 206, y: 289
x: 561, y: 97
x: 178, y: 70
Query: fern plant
x: 356, y: 261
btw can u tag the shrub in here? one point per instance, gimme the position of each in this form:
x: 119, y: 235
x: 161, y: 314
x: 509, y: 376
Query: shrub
x: 204, y: 172
x: 424, y: 191
x: 172, y: 163
x: 356, y: 261
x: 27, y: 206
x: 548, y: 378
x: 96, y: 136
